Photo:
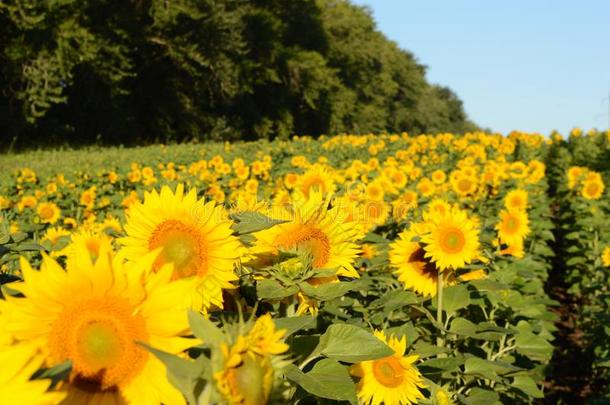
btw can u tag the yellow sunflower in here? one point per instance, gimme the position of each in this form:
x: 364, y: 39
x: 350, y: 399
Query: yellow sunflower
x: 196, y: 237
x: 513, y: 226
x: 314, y: 229
x: 452, y: 240
x: 249, y: 364
x: 48, y: 212
x: 516, y: 199
x: 93, y: 315
x: 389, y: 380
x: 606, y: 256
x: 316, y: 178
x: 413, y: 269
x: 463, y: 185
x: 592, y: 189
x: 18, y: 364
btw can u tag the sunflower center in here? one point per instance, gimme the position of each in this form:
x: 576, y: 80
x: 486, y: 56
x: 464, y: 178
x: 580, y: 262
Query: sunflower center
x: 47, y: 212
x: 183, y: 245
x: 592, y: 189
x: 452, y: 240
x: 309, y: 239
x: 425, y: 266
x: 388, y: 371
x: 99, y: 337
x: 512, y: 224
x: 464, y: 185
x: 313, y: 183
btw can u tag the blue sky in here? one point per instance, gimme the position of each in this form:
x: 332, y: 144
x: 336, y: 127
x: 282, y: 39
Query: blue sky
x: 532, y: 65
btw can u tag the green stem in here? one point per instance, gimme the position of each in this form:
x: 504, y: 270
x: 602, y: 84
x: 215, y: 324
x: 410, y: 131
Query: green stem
x: 440, y: 341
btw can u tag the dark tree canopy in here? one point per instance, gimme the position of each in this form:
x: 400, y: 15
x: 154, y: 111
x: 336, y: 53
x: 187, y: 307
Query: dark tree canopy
x: 128, y: 72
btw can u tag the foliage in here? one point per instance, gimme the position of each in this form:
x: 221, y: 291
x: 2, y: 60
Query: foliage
x: 132, y: 72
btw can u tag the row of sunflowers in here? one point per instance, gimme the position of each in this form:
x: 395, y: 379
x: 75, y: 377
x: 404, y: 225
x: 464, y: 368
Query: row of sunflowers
x: 370, y: 269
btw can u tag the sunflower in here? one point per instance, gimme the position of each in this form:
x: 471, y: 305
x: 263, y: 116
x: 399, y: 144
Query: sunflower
x: 452, y: 240
x: 372, y: 213
x: 18, y: 364
x: 438, y: 177
x: 375, y: 191
x: 516, y: 199
x: 316, y: 178
x: 513, y: 226
x: 196, y: 237
x: 249, y: 364
x: 592, y: 189
x: 463, y: 185
x: 48, y: 212
x: 389, y: 380
x: 403, y: 204
x: 313, y: 229
x: 93, y: 315
x: 413, y: 269
x: 86, y: 245
x: 606, y: 256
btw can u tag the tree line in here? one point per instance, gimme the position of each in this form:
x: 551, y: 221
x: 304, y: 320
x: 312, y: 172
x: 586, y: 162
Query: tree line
x: 139, y: 71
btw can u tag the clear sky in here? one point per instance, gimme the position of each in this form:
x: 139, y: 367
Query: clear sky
x: 532, y: 65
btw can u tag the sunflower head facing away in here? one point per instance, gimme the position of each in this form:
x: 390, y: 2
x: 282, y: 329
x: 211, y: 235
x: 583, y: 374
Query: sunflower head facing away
x: 194, y: 236
x: 249, y: 362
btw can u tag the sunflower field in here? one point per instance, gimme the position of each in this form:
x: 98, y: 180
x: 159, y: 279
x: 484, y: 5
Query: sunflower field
x: 363, y: 269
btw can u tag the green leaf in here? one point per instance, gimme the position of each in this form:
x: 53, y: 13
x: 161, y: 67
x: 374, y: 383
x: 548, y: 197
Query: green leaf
x: 28, y: 247
x: 486, y: 368
x: 351, y: 344
x: 528, y: 386
x: 455, y: 297
x: 462, y: 326
x: 479, y: 396
x: 272, y: 290
x: 295, y: 323
x: 56, y: 373
x: 328, y: 291
x: 183, y: 374
x: 5, y: 232
x: 327, y: 379
x: 533, y: 346
x: 250, y: 222
x: 205, y: 329
x: 442, y: 363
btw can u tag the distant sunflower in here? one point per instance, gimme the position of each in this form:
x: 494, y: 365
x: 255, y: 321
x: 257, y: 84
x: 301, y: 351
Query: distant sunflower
x: 93, y: 315
x: 314, y: 229
x: 86, y: 245
x: 606, y: 256
x: 48, y: 212
x: 592, y: 189
x: 464, y: 185
x: 516, y: 199
x: 316, y: 178
x: 389, y: 380
x: 513, y: 226
x: 195, y: 236
x: 452, y: 240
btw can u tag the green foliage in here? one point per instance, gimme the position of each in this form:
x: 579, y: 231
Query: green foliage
x: 128, y: 72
